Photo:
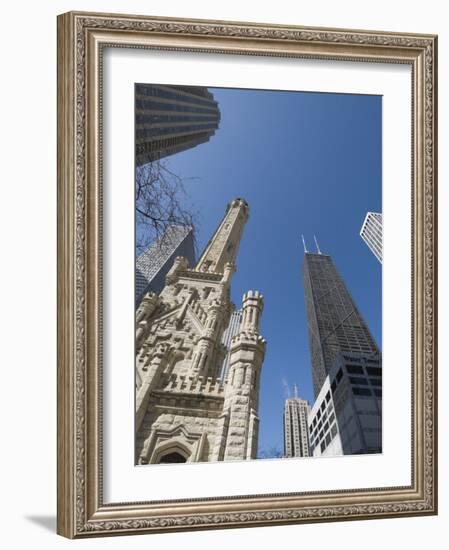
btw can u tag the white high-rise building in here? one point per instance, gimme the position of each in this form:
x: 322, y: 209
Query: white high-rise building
x: 371, y: 233
x: 296, y: 427
x: 346, y: 418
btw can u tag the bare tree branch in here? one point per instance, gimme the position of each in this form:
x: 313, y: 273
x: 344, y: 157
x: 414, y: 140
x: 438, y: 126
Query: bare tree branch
x: 161, y: 201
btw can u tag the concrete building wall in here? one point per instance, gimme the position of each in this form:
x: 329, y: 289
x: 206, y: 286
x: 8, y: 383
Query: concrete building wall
x: 346, y: 417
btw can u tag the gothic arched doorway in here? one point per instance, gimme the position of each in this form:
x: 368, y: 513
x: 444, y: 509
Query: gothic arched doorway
x: 172, y: 458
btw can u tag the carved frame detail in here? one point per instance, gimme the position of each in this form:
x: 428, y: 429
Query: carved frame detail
x: 81, y: 37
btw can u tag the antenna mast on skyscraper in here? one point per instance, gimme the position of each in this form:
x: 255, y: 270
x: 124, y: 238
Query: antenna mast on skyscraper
x: 317, y: 245
x: 304, y: 244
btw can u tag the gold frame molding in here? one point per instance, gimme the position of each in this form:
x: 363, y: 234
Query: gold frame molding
x: 81, y: 38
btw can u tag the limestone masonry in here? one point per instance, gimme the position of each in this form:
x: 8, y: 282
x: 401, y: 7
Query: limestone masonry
x: 184, y: 412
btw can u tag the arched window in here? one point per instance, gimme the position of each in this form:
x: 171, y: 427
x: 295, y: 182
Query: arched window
x: 171, y: 452
x: 172, y: 458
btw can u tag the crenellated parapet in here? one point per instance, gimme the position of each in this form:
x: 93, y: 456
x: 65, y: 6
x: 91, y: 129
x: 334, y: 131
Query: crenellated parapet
x: 198, y: 385
x: 252, y: 307
x: 247, y: 340
x: 247, y: 355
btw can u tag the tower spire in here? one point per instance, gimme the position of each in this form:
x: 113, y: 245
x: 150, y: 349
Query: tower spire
x: 295, y: 389
x: 304, y: 244
x: 317, y: 245
x: 222, y: 248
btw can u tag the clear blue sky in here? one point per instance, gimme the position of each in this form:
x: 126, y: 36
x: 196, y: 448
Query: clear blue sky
x: 306, y: 163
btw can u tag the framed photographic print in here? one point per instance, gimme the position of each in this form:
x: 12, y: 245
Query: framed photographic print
x: 246, y: 274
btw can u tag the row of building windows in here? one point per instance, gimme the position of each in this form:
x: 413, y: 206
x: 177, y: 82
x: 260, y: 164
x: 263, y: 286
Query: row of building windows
x: 172, y: 94
x: 374, y: 377
x: 145, y: 105
x: 145, y: 133
x: 153, y: 121
x: 321, y: 428
x: 324, y: 438
x: 358, y: 369
x: 323, y: 421
x: 374, y: 235
x: 367, y: 391
x: 374, y: 230
x: 157, y: 148
x: 358, y: 381
x: 371, y: 233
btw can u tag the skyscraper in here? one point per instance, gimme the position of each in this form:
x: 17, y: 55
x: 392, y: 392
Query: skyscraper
x: 346, y: 417
x: 153, y: 265
x: 371, y: 233
x: 296, y: 427
x: 334, y: 323
x: 170, y: 119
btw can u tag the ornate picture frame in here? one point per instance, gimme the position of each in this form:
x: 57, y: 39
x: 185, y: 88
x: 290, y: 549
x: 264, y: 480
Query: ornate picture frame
x: 82, y: 39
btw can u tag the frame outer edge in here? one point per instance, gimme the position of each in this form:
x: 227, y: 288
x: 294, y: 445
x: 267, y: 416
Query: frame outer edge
x: 75, y: 423
x: 435, y: 271
x: 66, y: 288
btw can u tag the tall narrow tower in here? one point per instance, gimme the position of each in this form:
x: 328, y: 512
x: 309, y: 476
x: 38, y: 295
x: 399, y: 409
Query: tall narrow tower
x: 334, y: 322
x: 183, y: 412
x: 296, y: 427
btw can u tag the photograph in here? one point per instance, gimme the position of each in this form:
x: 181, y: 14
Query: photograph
x: 258, y: 274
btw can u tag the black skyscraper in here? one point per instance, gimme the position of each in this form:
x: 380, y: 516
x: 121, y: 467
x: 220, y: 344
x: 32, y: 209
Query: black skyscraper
x: 170, y: 119
x: 334, y: 323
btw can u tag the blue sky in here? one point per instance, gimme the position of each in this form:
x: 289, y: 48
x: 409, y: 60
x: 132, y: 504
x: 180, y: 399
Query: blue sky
x: 307, y: 163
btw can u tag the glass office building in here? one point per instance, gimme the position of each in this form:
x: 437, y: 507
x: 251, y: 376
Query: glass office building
x: 171, y: 119
x: 153, y: 265
x: 334, y: 323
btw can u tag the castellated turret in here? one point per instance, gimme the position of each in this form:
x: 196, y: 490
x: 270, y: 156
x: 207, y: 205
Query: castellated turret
x: 184, y: 412
x: 242, y: 389
x: 252, y: 310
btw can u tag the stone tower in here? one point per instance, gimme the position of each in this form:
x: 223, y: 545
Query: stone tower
x: 183, y: 412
